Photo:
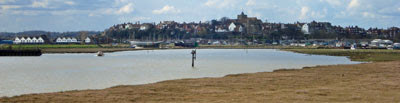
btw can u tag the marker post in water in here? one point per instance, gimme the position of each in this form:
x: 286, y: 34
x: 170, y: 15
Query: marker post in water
x: 193, y: 57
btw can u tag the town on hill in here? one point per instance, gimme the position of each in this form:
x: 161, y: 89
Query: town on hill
x: 225, y: 31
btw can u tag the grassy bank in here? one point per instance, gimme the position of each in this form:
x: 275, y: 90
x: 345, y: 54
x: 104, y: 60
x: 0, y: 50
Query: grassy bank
x: 251, y: 47
x: 70, y: 48
x: 88, y: 50
x: 375, y: 55
x: 46, y: 46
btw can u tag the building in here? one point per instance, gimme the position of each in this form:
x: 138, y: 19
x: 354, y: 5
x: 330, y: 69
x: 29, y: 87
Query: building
x: 232, y: 27
x: 235, y: 27
x: 145, y: 26
x: 381, y: 43
x: 252, y: 24
x: 29, y: 40
x: 305, y: 29
x: 220, y: 29
x: 66, y: 40
x: 88, y: 40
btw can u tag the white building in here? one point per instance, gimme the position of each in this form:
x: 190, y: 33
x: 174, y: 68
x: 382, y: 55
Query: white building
x: 381, y: 43
x: 143, y: 27
x: 88, y: 40
x: 305, y: 29
x: 17, y: 40
x: 28, y: 40
x: 220, y: 30
x: 232, y: 27
x: 240, y: 28
x: 66, y: 40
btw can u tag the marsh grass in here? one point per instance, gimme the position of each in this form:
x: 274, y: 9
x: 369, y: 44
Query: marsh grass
x: 364, y: 55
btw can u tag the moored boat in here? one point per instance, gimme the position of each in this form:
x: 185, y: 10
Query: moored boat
x: 100, y: 54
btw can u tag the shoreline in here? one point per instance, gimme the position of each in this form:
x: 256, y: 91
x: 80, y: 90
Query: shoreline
x: 88, y: 50
x: 333, y: 83
x: 110, y: 50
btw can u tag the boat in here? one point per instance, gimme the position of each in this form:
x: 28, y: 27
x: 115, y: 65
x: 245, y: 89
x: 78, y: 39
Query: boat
x: 353, y: 47
x: 100, y: 54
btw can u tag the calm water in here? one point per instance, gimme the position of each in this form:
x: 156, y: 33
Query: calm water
x: 61, y: 72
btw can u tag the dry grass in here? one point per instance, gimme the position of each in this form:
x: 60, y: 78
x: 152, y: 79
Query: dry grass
x: 375, y: 55
x: 361, y: 83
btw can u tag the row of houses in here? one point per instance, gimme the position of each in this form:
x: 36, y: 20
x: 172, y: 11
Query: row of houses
x: 29, y: 40
x: 71, y: 40
x: 45, y: 40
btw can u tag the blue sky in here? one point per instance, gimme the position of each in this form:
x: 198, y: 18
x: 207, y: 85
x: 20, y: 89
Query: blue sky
x: 97, y: 15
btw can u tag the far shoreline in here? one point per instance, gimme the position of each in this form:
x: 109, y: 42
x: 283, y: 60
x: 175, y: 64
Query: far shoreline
x: 111, y: 50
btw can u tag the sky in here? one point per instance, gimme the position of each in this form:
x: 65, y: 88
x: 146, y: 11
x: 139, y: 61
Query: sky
x: 98, y: 15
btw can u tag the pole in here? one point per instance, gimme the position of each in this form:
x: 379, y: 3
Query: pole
x: 193, y: 57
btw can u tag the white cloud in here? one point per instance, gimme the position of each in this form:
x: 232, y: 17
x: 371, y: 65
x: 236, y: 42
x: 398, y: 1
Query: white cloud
x: 319, y: 15
x: 210, y: 2
x: 353, y: 4
x: 40, y: 4
x: 7, y: 7
x: 250, y: 3
x: 6, y: 1
x: 69, y: 12
x: 133, y: 19
x: 304, y: 12
x: 166, y: 9
x: 27, y: 12
x: 119, y: 2
x: 221, y: 3
x: 69, y: 2
x: 334, y: 2
x: 368, y: 15
x: 126, y: 9
x: 254, y: 14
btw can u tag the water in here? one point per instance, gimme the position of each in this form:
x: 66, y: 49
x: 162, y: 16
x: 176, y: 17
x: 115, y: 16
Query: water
x: 62, y: 72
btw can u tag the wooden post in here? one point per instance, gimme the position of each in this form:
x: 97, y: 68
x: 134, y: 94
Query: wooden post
x: 193, y: 57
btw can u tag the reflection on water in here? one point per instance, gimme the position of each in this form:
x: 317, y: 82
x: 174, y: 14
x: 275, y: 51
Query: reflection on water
x: 60, y: 72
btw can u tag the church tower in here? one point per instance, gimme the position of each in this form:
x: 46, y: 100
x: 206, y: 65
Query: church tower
x: 242, y: 16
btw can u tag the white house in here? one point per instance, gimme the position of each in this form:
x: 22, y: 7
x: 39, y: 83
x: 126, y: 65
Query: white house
x: 240, y: 28
x: 40, y: 40
x: 305, y: 29
x: 88, y: 40
x: 23, y: 40
x: 232, y: 27
x: 66, y: 40
x: 59, y: 40
x: 17, y: 40
x: 220, y: 29
x: 29, y: 40
x: 34, y: 40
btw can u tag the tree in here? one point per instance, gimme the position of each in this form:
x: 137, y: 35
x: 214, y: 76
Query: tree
x: 83, y: 35
x: 224, y: 19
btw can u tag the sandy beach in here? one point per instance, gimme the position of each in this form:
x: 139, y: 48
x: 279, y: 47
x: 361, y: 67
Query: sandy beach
x: 368, y: 82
